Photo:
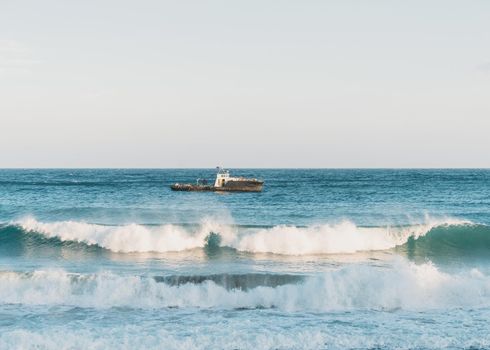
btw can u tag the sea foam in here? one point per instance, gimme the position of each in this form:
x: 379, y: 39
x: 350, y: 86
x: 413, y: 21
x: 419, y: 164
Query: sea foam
x: 404, y: 285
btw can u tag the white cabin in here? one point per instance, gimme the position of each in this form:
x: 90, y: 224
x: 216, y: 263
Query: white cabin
x: 223, y: 177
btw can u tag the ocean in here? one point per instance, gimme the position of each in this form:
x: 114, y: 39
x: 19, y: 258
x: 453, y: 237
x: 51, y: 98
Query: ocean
x: 321, y: 259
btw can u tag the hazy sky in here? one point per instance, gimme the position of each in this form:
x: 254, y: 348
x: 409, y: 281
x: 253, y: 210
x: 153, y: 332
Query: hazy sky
x: 112, y: 83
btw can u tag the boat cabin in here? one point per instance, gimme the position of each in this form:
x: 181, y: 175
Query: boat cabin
x: 222, y: 177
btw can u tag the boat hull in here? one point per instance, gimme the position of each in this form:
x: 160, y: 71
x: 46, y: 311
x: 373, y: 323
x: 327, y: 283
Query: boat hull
x: 242, y: 186
x: 191, y: 187
x: 230, y: 186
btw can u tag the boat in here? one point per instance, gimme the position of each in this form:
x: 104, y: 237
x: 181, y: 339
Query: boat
x: 223, y: 183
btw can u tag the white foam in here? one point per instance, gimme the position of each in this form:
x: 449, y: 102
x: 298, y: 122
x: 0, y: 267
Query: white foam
x: 343, y: 237
x: 404, y: 285
x: 210, y: 331
x: 127, y: 238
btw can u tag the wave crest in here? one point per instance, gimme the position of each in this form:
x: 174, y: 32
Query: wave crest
x: 128, y: 238
x: 344, y: 237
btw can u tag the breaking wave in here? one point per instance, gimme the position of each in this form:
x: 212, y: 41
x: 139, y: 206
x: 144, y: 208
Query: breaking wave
x: 341, y: 238
x: 404, y: 285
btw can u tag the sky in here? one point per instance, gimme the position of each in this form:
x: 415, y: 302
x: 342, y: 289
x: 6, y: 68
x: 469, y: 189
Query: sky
x: 334, y: 84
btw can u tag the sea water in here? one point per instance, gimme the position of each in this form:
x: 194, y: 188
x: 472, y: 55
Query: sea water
x: 321, y: 259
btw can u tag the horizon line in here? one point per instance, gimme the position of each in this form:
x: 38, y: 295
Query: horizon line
x: 265, y: 168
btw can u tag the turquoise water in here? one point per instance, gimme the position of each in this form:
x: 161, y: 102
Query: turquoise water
x: 322, y: 259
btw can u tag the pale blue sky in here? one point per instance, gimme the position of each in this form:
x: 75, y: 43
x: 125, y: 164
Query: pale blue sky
x: 244, y: 83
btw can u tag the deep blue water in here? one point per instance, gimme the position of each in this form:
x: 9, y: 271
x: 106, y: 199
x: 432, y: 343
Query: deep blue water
x: 321, y: 259
x: 291, y: 196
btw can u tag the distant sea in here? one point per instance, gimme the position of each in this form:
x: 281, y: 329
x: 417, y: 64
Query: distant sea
x: 321, y: 259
